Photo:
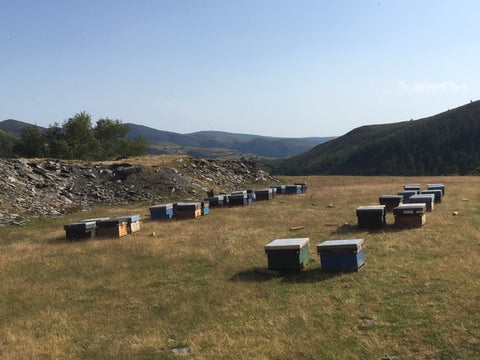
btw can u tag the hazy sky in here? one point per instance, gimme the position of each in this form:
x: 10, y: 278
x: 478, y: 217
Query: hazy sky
x: 287, y: 68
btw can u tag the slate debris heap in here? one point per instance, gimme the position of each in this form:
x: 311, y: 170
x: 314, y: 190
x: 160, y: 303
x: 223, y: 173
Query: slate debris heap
x: 54, y: 187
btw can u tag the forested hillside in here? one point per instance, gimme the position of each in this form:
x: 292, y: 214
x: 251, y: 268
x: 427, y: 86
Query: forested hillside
x: 447, y: 143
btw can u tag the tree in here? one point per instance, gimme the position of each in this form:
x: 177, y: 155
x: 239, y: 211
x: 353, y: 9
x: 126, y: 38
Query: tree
x: 33, y: 142
x: 80, y: 137
x: 110, y: 134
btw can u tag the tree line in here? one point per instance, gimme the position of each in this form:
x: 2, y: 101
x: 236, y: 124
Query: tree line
x: 75, y: 138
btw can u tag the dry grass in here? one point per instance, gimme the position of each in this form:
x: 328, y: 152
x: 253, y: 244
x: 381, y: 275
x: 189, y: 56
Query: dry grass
x: 199, y: 283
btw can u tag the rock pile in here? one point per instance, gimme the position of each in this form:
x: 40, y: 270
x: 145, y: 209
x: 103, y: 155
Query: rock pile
x: 53, y: 187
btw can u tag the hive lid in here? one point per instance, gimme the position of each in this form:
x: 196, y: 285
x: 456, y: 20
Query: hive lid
x: 162, y: 206
x: 391, y: 197
x: 407, y: 192
x: 346, y: 244
x: 130, y: 218
x: 95, y: 219
x: 422, y: 198
x: 112, y: 222
x: 80, y: 225
x: 371, y: 208
x: 287, y: 244
x: 196, y: 205
x: 413, y: 208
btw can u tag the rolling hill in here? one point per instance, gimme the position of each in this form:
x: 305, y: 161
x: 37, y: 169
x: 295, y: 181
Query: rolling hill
x: 211, y: 144
x: 446, y: 143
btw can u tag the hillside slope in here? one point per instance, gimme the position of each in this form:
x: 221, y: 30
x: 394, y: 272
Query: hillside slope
x: 447, y: 143
x: 211, y: 144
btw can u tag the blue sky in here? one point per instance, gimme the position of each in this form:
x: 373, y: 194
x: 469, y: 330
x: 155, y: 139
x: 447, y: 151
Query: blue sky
x: 269, y: 67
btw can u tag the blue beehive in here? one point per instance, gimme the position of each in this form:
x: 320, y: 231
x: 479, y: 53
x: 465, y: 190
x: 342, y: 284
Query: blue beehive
x: 205, y: 207
x: 341, y: 255
x: 163, y: 211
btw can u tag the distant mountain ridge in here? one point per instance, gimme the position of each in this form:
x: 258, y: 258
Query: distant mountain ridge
x: 212, y: 144
x: 444, y: 144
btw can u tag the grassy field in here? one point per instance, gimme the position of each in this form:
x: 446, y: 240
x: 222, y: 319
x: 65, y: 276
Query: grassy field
x: 202, y: 283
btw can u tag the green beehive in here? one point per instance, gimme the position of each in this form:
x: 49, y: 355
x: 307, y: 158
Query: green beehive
x: 287, y: 254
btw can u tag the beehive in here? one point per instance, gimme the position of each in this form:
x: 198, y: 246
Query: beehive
x: 293, y: 189
x: 239, y: 200
x: 187, y: 210
x: 341, y: 255
x: 371, y: 216
x: 162, y: 211
x: 427, y: 199
x: 217, y: 201
x: 410, y: 215
x: 436, y: 187
x: 133, y: 223
x: 264, y: 194
x: 437, y: 193
x: 406, y: 194
x: 390, y: 201
x: 280, y: 189
x: 287, y: 254
x: 303, y: 187
x: 80, y: 230
x: 415, y: 187
x: 116, y: 227
x: 205, y: 207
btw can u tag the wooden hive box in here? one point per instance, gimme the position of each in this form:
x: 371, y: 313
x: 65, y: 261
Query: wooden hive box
x: 427, y: 199
x: 216, y: 201
x: 341, y: 255
x: 238, y: 200
x: 293, y: 189
x: 287, y: 254
x: 410, y: 215
x: 116, y: 227
x: 371, y: 217
x: 205, y: 207
x: 274, y: 192
x: 415, y: 187
x: 133, y: 223
x: 437, y: 193
x: 187, y: 210
x: 303, y: 187
x: 280, y: 188
x: 390, y: 201
x: 406, y: 194
x: 162, y: 211
x: 436, y: 187
x: 80, y: 230
x: 264, y: 194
